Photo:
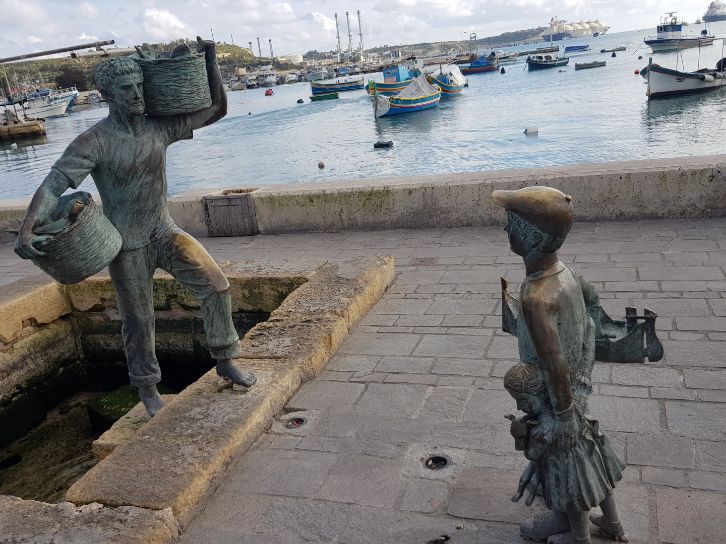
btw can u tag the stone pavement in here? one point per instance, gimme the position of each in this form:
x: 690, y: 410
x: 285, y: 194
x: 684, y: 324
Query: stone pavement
x: 422, y: 375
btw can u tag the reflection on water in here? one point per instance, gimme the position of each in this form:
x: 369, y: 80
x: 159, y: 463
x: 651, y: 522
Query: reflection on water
x: 582, y: 116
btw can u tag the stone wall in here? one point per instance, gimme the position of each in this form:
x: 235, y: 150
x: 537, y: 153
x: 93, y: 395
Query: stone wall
x: 627, y: 190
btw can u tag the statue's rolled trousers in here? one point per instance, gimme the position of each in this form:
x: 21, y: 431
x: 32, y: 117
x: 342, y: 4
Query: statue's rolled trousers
x: 125, y: 154
x: 570, y: 458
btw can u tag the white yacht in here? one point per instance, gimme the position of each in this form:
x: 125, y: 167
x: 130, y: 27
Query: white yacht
x: 670, y: 36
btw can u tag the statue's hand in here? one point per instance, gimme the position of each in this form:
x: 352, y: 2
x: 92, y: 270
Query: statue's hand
x: 565, y: 430
x: 208, y: 47
x: 24, y: 244
x: 528, y: 481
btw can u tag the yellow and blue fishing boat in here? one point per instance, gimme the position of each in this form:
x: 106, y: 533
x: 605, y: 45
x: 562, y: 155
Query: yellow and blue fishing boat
x: 395, y: 79
x: 418, y: 95
x: 449, y: 78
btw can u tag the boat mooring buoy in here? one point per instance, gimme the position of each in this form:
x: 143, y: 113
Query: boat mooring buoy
x: 613, y: 55
x: 300, y: 101
x: 531, y: 131
x: 640, y: 57
x: 321, y: 165
x: 382, y: 145
x: 502, y: 71
x: 637, y: 72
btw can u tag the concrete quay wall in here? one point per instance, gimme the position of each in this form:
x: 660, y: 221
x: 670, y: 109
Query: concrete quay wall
x: 628, y: 190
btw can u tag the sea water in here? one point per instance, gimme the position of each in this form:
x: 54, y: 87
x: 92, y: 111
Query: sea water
x: 585, y: 116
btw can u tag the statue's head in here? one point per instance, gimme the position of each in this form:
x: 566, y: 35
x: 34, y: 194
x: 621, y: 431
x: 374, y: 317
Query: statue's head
x: 121, y: 83
x: 525, y: 382
x: 538, y: 219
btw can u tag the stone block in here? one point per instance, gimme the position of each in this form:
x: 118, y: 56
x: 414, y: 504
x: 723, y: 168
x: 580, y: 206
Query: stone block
x: 123, y: 430
x: 32, y: 521
x: 485, y: 494
x: 715, y: 481
x: 401, y: 306
x: 353, y: 363
x: 646, y: 375
x: 326, y: 396
x: 419, y: 320
x: 687, y: 516
x: 410, y: 365
x: 489, y: 407
x: 424, y: 496
x: 445, y: 403
x: 363, y: 480
x: 37, y: 301
x: 701, y: 323
x: 623, y: 391
x: 664, y: 476
x: 625, y: 414
x: 703, y: 354
x: 461, y: 367
x: 437, y: 345
x: 503, y: 347
x: 672, y: 394
x: 696, y: 420
x: 425, y: 379
x: 381, y: 399
x: 705, y: 379
x: 465, y: 435
x: 661, y: 450
x: 711, y: 455
x: 469, y: 305
x: 680, y: 273
x: 391, y: 344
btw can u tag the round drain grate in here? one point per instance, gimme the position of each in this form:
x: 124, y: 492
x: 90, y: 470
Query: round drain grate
x: 436, y: 462
x: 295, y: 423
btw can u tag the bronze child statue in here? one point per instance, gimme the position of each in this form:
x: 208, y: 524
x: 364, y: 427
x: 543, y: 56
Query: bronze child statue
x: 125, y: 154
x: 570, y: 459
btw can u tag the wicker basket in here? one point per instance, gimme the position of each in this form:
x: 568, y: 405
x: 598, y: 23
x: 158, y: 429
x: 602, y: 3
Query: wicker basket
x: 175, y: 85
x: 83, y: 248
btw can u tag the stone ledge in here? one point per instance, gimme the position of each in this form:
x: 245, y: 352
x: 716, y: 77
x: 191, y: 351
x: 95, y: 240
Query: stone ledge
x: 37, y: 300
x: 42, y: 523
x: 190, y: 442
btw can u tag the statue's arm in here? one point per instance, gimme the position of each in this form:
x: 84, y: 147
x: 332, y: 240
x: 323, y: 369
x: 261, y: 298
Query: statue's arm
x: 588, y: 292
x: 41, y: 206
x: 218, y: 109
x: 540, y: 317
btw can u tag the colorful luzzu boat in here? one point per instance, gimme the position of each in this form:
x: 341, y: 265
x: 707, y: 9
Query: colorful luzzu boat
x: 418, y: 95
x: 449, y: 78
x: 324, y: 87
x: 480, y: 66
x: 395, y: 79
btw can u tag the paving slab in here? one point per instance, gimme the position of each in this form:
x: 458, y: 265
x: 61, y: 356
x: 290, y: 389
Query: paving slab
x: 690, y: 517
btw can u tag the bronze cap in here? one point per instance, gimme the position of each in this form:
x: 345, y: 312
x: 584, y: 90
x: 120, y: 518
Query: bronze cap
x: 545, y: 207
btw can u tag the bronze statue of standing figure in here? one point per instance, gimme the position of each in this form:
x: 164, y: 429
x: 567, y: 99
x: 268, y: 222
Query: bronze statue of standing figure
x: 570, y: 461
x: 125, y: 154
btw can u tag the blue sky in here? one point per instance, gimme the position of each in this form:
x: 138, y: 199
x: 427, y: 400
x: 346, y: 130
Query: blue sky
x: 296, y: 26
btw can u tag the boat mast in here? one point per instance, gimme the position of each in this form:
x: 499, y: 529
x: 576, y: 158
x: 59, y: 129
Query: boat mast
x: 337, y: 35
x: 272, y: 57
x: 360, y: 34
x: 350, y: 36
x: 259, y: 47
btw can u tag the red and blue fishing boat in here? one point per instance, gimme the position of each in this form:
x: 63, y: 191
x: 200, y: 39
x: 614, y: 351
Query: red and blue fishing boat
x: 480, y: 66
x: 395, y: 79
x: 449, y: 78
x: 418, y: 95
x: 324, y: 87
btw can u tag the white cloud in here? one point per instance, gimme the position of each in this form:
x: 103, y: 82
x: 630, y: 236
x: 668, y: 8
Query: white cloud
x: 161, y: 24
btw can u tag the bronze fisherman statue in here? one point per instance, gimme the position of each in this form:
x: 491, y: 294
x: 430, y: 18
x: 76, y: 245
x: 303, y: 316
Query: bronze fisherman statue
x: 571, y: 462
x: 125, y: 154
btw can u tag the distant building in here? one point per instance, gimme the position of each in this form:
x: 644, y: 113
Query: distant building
x: 290, y: 59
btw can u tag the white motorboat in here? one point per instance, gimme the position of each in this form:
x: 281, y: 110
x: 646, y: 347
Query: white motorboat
x: 43, y: 104
x: 664, y: 82
x: 670, y: 36
x: 317, y: 74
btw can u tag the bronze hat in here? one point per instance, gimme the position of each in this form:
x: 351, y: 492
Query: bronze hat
x: 545, y: 207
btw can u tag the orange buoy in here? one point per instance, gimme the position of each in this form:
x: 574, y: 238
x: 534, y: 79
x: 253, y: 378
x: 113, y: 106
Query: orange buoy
x: 637, y: 72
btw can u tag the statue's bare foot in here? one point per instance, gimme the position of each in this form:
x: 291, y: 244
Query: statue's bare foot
x: 568, y: 538
x: 608, y: 529
x: 543, y: 525
x: 226, y: 369
x: 151, y: 399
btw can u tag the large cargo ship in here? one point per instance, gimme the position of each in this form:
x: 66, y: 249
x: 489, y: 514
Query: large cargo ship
x: 561, y: 29
x: 716, y: 12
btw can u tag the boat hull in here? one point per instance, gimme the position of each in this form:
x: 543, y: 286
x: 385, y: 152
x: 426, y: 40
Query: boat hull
x: 387, y: 89
x: 678, y: 43
x: 664, y: 82
x: 390, y: 105
x: 534, y: 65
x: 324, y: 96
x: 467, y: 71
x: 323, y: 88
x: 447, y: 89
x: 713, y: 18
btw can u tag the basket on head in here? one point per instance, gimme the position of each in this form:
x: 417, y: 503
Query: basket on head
x: 86, y: 243
x: 175, y: 85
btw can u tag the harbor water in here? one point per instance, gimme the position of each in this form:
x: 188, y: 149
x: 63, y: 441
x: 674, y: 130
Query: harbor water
x: 585, y: 116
